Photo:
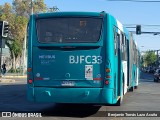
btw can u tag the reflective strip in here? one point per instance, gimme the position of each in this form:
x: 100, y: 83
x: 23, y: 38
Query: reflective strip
x: 118, y: 97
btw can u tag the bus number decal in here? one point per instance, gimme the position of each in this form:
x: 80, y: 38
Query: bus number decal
x: 87, y: 59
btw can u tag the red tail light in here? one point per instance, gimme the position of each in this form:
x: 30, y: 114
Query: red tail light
x: 30, y: 81
x: 29, y: 69
x: 107, y: 82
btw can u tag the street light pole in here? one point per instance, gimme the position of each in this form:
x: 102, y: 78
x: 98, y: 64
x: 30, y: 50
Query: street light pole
x: 31, y: 7
x: 24, y: 44
x: 24, y: 55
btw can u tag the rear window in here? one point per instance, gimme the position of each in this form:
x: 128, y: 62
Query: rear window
x: 69, y: 30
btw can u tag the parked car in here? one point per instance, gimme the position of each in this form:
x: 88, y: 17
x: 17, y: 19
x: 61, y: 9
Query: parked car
x: 146, y: 69
x: 151, y: 70
x: 157, y: 75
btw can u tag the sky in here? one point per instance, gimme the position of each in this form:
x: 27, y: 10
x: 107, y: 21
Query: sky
x: 127, y: 13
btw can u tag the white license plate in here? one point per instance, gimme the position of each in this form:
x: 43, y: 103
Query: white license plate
x: 68, y: 83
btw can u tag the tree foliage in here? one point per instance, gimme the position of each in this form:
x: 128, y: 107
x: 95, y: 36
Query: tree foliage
x: 17, y: 16
x: 150, y: 58
x: 23, y: 7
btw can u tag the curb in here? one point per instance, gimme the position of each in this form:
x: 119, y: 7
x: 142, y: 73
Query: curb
x: 6, y: 80
x: 14, y: 77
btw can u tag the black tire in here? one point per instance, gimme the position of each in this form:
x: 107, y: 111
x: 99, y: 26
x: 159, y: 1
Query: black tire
x: 135, y: 87
x: 131, y: 89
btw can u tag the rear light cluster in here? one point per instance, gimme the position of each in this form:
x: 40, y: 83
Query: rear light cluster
x: 30, y: 81
x: 29, y: 69
x: 108, y: 70
x: 106, y: 82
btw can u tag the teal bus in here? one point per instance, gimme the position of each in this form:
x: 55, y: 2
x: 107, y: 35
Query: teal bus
x: 80, y: 57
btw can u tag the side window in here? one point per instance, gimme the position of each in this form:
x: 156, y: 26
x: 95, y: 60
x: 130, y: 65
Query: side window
x: 122, y: 43
x: 124, y: 47
x: 133, y: 53
x: 115, y: 42
x: 137, y: 57
x: 127, y: 42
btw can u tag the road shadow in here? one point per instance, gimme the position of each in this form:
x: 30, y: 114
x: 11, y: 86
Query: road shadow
x: 148, y: 80
x: 14, y: 99
x: 71, y: 110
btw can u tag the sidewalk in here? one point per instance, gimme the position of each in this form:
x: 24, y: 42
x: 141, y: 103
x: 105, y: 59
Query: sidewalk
x: 14, y: 75
x: 10, y: 77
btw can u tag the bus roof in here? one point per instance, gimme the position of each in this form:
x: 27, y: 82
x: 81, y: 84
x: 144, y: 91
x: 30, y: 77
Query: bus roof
x: 51, y: 14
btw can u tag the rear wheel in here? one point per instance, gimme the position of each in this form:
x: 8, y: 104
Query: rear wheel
x: 131, y: 89
x: 135, y: 87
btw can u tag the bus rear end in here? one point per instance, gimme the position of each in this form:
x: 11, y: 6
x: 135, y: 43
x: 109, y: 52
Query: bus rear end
x: 66, y: 60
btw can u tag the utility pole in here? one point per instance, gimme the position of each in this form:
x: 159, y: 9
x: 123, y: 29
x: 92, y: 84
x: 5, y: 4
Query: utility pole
x: 24, y: 55
x: 24, y: 43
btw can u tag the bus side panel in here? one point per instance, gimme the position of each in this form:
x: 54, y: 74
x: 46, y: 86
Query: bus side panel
x: 30, y: 38
x: 114, y: 60
x: 134, y: 74
x: 110, y: 60
x: 131, y: 60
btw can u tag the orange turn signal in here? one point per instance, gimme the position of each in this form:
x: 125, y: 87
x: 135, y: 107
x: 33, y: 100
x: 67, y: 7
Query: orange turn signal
x: 108, y: 70
x: 108, y: 76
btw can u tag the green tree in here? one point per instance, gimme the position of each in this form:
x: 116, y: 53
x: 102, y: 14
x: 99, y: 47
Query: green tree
x: 150, y: 58
x: 23, y: 7
x: 17, y: 15
x: 17, y: 31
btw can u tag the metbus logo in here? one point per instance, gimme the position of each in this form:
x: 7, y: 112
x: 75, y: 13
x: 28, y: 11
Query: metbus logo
x: 85, y: 59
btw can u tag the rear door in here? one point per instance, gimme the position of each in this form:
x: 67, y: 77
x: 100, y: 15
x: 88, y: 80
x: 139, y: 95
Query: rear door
x: 68, y: 53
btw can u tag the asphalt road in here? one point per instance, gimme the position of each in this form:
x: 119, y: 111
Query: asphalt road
x: 145, y: 98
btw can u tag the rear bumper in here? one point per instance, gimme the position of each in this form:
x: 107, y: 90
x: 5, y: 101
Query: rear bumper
x: 71, y: 95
